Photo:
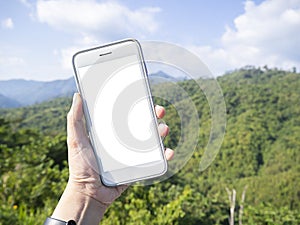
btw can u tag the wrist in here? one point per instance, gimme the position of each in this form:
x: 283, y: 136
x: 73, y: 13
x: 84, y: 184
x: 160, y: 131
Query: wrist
x: 90, y: 190
x: 80, y: 206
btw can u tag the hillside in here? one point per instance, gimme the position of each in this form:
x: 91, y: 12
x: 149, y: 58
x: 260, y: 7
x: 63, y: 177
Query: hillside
x: 260, y: 152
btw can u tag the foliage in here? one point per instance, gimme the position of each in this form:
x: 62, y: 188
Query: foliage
x: 260, y: 150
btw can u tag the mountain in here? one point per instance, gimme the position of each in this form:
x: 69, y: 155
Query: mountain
x: 6, y: 102
x: 19, y: 92
x: 161, y: 77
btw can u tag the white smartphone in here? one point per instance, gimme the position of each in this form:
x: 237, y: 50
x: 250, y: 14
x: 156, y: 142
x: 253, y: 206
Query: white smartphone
x: 119, y: 112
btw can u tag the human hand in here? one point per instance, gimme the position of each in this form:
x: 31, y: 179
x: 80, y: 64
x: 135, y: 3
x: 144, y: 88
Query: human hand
x: 85, y: 198
x: 84, y: 179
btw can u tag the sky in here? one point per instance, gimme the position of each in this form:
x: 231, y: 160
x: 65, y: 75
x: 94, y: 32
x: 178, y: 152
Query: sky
x: 38, y: 37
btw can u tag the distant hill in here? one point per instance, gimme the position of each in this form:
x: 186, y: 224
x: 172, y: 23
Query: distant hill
x: 18, y: 92
x: 6, y: 102
x: 161, y: 77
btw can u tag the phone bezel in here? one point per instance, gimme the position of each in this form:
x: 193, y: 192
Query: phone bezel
x: 133, y: 173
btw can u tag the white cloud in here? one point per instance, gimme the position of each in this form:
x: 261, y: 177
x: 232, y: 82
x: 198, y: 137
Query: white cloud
x: 7, y: 23
x: 11, y: 65
x: 11, y: 61
x: 15, y: 64
x: 265, y: 34
x: 105, y: 18
x: 94, y: 22
x: 66, y: 56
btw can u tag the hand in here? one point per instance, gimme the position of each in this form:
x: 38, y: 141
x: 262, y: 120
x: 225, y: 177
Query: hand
x: 84, y: 178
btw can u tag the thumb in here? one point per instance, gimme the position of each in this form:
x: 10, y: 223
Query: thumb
x: 77, y: 136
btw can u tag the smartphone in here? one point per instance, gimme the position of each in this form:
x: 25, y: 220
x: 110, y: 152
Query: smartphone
x: 119, y: 112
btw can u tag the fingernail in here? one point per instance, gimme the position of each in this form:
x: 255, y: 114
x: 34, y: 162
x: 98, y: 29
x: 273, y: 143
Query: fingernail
x: 169, y: 153
x: 159, y: 111
x: 158, y: 107
x: 161, y: 127
x: 163, y: 130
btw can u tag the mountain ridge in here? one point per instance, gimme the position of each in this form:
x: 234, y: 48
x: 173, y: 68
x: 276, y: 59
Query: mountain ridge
x: 20, y: 92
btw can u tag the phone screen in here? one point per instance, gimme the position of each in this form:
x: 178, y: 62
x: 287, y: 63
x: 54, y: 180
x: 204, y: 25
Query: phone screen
x: 121, y: 118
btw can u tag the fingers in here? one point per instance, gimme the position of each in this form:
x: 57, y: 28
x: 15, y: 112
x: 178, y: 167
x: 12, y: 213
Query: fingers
x: 163, y: 130
x: 169, y: 153
x: 75, y: 124
x: 160, y: 111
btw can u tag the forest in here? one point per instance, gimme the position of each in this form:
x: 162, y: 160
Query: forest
x: 254, y: 178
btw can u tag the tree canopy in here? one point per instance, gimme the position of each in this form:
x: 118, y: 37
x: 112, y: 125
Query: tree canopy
x: 260, y: 151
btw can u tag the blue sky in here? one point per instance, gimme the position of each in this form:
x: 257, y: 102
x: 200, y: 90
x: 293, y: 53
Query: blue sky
x: 38, y: 38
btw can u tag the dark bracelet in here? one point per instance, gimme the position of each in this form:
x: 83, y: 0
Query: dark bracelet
x: 52, y: 221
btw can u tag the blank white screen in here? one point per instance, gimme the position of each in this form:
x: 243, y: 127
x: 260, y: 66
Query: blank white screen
x: 103, y: 84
